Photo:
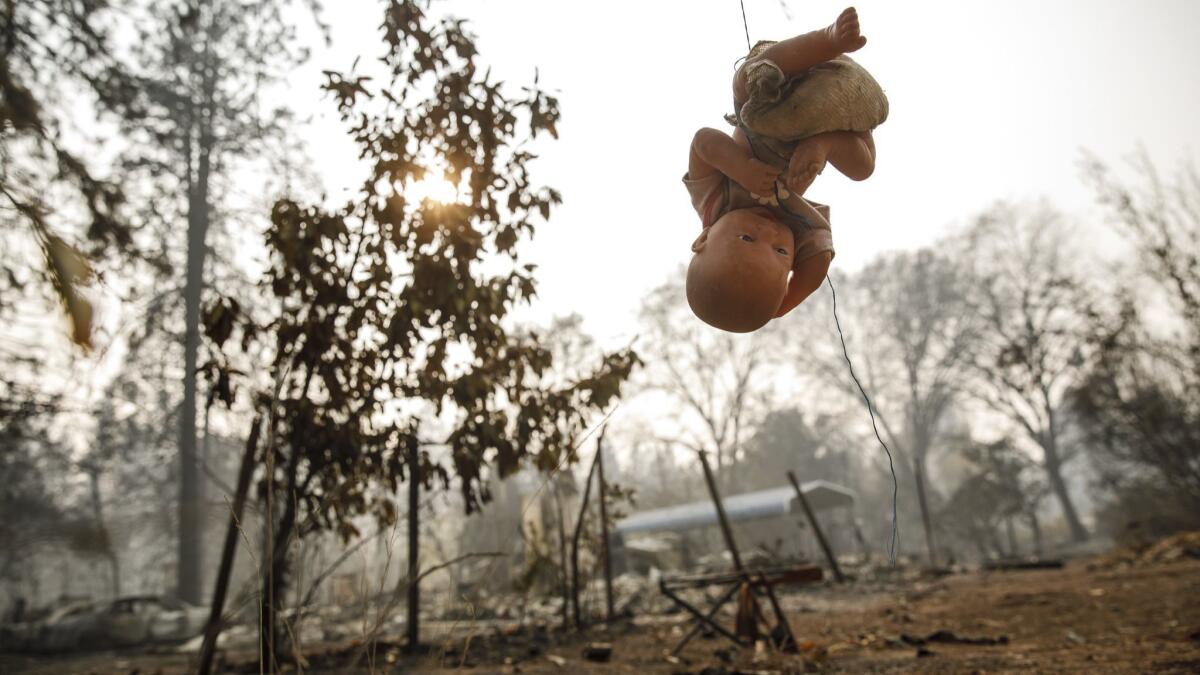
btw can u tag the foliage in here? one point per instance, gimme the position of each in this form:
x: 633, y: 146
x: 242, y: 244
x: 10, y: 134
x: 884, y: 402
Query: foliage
x: 50, y: 189
x: 32, y: 465
x: 389, y: 314
x: 1001, y: 486
x: 786, y: 441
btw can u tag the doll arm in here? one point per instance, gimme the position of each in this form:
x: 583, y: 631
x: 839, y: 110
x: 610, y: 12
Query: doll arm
x: 715, y: 152
x: 806, y: 278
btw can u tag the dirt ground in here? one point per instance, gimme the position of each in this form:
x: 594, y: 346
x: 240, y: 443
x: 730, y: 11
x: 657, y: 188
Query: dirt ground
x: 1092, y: 616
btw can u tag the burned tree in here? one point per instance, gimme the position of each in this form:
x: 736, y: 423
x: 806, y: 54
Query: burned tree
x: 388, y: 340
x: 203, y: 67
x: 720, y: 382
x: 1032, y: 343
x: 911, y: 332
x: 1138, y: 401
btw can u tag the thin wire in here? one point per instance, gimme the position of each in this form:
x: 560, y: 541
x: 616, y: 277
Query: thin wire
x: 870, y: 409
x: 745, y: 26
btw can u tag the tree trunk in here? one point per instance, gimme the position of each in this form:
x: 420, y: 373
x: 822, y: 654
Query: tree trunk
x: 926, y: 521
x: 191, y: 525
x: 274, y: 582
x: 110, y: 552
x: 583, y: 504
x: 1053, y: 467
x: 1036, y: 527
x: 562, y: 555
x: 212, y: 629
x: 606, y: 555
x: 1010, y: 534
x: 413, y: 627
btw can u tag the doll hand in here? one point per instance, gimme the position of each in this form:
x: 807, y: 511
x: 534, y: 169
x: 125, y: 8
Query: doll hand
x: 845, y: 33
x: 808, y: 160
x: 757, y: 177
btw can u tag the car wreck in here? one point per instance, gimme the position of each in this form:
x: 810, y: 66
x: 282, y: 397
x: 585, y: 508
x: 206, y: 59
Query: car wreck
x: 125, y: 622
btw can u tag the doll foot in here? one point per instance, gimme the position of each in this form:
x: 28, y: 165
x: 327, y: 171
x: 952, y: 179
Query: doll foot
x: 808, y: 161
x: 845, y: 33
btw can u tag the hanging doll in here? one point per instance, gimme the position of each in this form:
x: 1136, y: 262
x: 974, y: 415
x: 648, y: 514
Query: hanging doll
x: 800, y: 104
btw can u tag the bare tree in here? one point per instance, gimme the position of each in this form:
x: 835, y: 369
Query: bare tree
x: 914, y: 335
x: 1140, y: 402
x: 204, y: 67
x: 1030, y: 351
x: 719, y: 381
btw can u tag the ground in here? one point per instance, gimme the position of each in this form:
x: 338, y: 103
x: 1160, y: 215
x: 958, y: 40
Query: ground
x: 1092, y: 616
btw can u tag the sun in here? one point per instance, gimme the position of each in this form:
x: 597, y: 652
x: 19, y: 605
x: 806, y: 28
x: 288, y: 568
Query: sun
x: 433, y: 187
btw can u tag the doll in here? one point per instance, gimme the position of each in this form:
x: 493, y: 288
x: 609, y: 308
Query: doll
x: 800, y: 104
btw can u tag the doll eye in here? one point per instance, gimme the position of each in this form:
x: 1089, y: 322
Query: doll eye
x: 781, y: 251
x: 745, y: 237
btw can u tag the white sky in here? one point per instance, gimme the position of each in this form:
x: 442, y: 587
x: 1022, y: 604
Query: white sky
x: 988, y: 100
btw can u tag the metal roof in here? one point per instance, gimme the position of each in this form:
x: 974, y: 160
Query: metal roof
x: 781, y: 501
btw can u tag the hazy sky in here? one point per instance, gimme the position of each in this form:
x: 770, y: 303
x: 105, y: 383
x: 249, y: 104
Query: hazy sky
x: 988, y: 100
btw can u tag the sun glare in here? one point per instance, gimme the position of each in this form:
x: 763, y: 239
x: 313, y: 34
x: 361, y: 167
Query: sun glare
x: 434, y: 187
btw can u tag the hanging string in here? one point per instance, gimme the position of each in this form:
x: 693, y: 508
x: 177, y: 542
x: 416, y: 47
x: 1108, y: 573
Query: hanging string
x: 871, y: 410
x: 745, y: 26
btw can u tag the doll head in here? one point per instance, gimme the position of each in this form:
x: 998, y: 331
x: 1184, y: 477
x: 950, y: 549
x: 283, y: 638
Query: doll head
x: 739, y: 273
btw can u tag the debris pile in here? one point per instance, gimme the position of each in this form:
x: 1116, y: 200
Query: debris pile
x: 1176, y: 547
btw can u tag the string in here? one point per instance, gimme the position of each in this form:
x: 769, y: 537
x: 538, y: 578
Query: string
x: 745, y: 26
x: 871, y: 410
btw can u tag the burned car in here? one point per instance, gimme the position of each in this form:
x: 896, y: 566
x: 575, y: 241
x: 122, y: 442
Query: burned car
x: 124, y: 622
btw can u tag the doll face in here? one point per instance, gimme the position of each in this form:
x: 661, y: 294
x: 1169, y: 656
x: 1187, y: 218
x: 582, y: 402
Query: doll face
x: 739, y: 275
x: 755, y: 238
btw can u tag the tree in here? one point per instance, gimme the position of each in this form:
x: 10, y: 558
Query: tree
x: 389, y: 358
x: 1031, y: 348
x: 1138, y: 401
x: 787, y: 441
x: 998, y: 490
x: 50, y: 50
x: 204, y: 67
x: 720, y: 382
x: 912, y: 308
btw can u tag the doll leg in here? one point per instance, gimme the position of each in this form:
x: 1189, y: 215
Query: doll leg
x: 798, y: 54
x: 853, y: 153
x: 850, y: 152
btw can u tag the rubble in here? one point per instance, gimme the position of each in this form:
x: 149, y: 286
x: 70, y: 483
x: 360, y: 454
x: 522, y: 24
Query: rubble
x: 1015, y: 565
x: 599, y: 652
x: 948, y: 637
x: 1181, y: 546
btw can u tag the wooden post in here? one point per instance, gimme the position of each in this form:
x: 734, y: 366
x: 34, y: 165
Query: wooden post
x: 812, y: 520
x: 716, y: 498
x: 587, y: 491
x: 733, y: 551
x: 565, y: 586
x: 414, y: 570
x: 608, y: 589
x: 213, y: 629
